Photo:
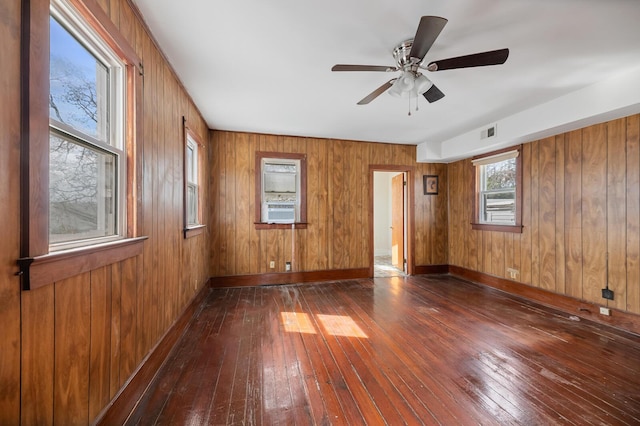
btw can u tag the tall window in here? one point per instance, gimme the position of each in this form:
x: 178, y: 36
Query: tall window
x: 192, y: 182
x: 193, y: 205
x: 497, y: 191
x: 80, y: 166
x: 87, y: 176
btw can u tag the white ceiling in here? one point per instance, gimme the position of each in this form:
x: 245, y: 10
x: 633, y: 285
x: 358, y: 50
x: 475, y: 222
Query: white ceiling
x: 265, y: 66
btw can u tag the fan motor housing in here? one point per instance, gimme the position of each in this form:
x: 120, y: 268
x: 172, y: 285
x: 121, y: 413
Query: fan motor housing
x: 401, y: 55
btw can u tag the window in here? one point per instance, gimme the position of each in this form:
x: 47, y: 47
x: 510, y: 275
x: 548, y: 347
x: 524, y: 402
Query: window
x: 497, y: 191
x: 80, y: 166
x: 192, y: 188
x: 280, y: 190
x: 87, y: 161
x: 192, y: 182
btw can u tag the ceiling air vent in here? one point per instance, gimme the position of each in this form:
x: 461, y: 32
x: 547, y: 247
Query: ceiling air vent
x: 489, y: 132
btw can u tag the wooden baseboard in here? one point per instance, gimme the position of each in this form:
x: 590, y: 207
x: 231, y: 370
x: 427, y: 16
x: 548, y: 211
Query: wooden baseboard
x: 288, y: 277
x: 431, y: 269
x: 580, y: 308
x: 119, y: 409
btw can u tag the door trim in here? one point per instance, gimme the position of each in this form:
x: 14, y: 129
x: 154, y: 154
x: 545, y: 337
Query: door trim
x: 399, y: 218
x: 410, y: 172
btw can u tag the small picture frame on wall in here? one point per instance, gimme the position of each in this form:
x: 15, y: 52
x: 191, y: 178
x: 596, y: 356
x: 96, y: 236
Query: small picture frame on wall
x: 430, y: 183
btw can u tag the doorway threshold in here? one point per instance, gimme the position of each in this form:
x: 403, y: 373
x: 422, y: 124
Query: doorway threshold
x: 382, y: 267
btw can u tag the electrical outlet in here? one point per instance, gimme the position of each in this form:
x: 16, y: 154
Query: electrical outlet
x: 605, y: 311
x: 607, y: 294
x: 513, y: 273
x: 272, y: 264
x: 287, y: 266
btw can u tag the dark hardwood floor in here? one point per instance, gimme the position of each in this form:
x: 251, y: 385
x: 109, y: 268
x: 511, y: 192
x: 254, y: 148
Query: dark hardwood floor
x: 403, y: 350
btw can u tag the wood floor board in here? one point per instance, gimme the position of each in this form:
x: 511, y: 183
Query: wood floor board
x: 234, y: 335
x: 621, y: 363
x: 417, y: 388
x: 292, y: 387
x: 388, y: 402
x: 551, y: 357
x: 360, y: 394
x: 399, y: 350
x: 424, y: 391
x: 437, y: 348
x: 167, y: 382
x: 321, y: 401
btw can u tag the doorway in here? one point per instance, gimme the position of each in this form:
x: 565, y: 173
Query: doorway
x: 390, y: 224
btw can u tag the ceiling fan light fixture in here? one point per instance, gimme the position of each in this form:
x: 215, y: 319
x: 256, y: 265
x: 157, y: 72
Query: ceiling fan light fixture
x: 403, y: 85
x: 410, y: 85
x: 422, y: 84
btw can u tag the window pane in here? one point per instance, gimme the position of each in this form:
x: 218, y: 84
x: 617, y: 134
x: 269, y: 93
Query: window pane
x: 501, y: 175
x: 79, y: 85
x: 499, y: 207
x: 82, y: 184
x: 192, y: 204
x: 280, y: 168
x: 191, y: 175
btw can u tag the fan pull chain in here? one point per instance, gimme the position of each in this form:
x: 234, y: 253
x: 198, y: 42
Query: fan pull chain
x: 409, y: 107
x: 417, y: 103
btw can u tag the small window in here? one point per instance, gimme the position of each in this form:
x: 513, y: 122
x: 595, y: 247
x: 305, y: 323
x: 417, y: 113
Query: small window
x: 280, y: 189
x: 280, y: 184
x: 87, y: 159
x: 497, y: 191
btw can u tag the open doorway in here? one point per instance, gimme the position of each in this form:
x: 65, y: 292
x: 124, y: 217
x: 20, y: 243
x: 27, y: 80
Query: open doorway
x: 390, y: 242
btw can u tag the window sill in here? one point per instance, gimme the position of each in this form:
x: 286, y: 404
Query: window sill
x: 43, y: 270
x: 296, y: 225
x: 516, y: 229
x: 192, y: 231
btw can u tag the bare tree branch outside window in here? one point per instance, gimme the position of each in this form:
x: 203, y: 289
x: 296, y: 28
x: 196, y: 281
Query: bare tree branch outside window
x: 81, y: 175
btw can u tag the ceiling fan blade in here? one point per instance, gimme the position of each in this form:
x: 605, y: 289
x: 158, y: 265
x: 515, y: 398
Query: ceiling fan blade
x: 343, y: 67
x: 428, y: 30
x: 494, y: 57
x: 379, y: 91
x: 433, y: 94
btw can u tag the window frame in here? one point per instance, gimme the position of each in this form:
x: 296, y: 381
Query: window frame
x: 476, y: 223
x: 301, y: 223
x: 192, y: 229
x: 34, y: 176
x: 113, y: 142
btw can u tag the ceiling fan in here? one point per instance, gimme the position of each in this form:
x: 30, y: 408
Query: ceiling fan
x: 409, y: 56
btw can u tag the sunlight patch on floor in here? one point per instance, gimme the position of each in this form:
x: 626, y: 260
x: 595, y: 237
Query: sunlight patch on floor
x: 297, y: 322
x: 338, y: 325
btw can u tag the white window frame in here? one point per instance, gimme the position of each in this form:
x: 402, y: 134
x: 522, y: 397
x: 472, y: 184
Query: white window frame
x: 479, y: 163
x: 192, y: 182
x: 193, y: 208
x: 114, y: 144
x: 262, y: 157
x: 265, y: 195
x: 483, y: 192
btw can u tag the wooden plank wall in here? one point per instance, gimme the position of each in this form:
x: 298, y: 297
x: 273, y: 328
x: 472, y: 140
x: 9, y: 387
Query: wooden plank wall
x: 9, y: 211
x: 337, y: 205
x: 581, y: 217
x: 67, y: 348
